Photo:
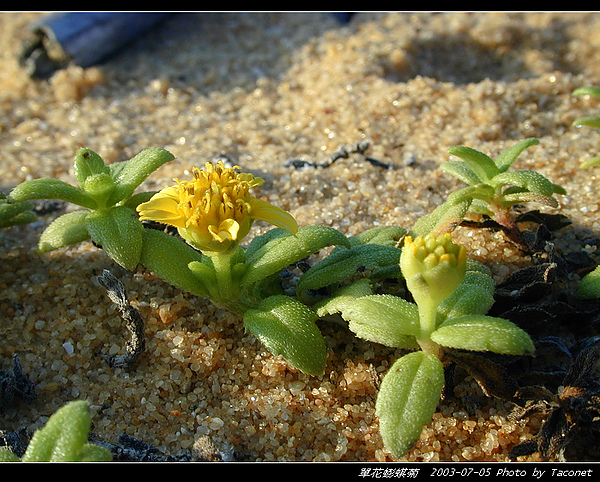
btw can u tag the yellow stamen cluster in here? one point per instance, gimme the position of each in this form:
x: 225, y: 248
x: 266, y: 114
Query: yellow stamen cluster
x: 432, y: 251
x: 215, y: 210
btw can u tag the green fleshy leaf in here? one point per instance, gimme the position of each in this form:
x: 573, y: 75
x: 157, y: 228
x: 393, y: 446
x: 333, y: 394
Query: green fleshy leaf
x: 128, y: 175
x: 524, y: 197
x: 12, y: 214
x: 343, y: 296
x: 64, y: 436
x: 256, y: 292
x: 588, y: 121
x: 170, y: 258
x: 259, y: 242
x: 462, y: 171
x: 95, y: 453
x: 119, y: 232
x: 8, y: 210
x: 532, y: 181
x: 282, y: 249
x: 6, y: 455
x: 441, y: 218
x: 138, y: 198
x: 19, y: 219
x: 477, y: 267
x: 475, y: 295
x: 589, y: 286
x: 65, y: 230
x: 87, y: 162
x: 385, y: 319
x: 407, y: 399
x: 481, y: 164
x: 288, y: 328
x: 483, y: 333
x: 592, y: 91
x: 344, y: 263
x: 51, y: 189
x: 100, y: 187
x: 507, y: 157
x: 205, y: 274
x: 482, y: 207
x: 384, y: 235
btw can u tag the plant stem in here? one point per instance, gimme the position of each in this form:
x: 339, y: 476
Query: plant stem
x: 427, y: 318
x: 502, y: 216
x: 228, y: 290
x: 222, y: 265
x: 428, y: 322
x: 429, y: 346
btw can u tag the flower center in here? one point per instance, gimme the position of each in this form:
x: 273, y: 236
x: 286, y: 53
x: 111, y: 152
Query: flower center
x: 216, y: 194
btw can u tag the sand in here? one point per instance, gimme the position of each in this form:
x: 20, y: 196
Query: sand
x: 264, y: 89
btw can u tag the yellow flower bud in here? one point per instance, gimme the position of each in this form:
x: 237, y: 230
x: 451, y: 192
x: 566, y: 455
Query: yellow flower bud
x: 433, y: 267
x: 214, y: 211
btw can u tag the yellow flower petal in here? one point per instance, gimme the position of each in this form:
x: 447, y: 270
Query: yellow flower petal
x: 163, y: 217
x: 264, y: 211
x: 228, y: 230
x: 162, y: 209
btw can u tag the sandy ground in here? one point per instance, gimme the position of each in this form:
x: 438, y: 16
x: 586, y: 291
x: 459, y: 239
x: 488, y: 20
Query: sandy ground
x: 264, y: 89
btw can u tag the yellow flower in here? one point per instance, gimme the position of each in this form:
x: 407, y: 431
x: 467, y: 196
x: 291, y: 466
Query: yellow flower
x: 214, y: 211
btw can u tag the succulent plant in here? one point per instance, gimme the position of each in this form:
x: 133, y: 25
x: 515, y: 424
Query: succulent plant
x: 451, y: 296
x: 492, y: 190
x: 64, y: 438
x: 106, y: 194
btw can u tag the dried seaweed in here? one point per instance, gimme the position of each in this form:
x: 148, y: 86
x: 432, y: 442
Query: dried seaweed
x: 552, y: 222
x: 133, y: 322
x: 16, y: 441
x: 527, y: 284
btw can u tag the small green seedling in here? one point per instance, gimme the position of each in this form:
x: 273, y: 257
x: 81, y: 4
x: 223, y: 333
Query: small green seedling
x: 106, y: 194
x: 589, y: 121
x: 492, y: 190
x: 451, y: 296
x: 62, y: 439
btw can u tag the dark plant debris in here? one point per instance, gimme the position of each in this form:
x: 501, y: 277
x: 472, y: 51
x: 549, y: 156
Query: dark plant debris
x: 130, y: 449
x: 15, y: 386
x: 562, y: 380
x: 343, y: 152
x: 489, y: 370
x: 16, y: 441
x: 572, y: 411
x: 527, y: 240
x: 133, y: 322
